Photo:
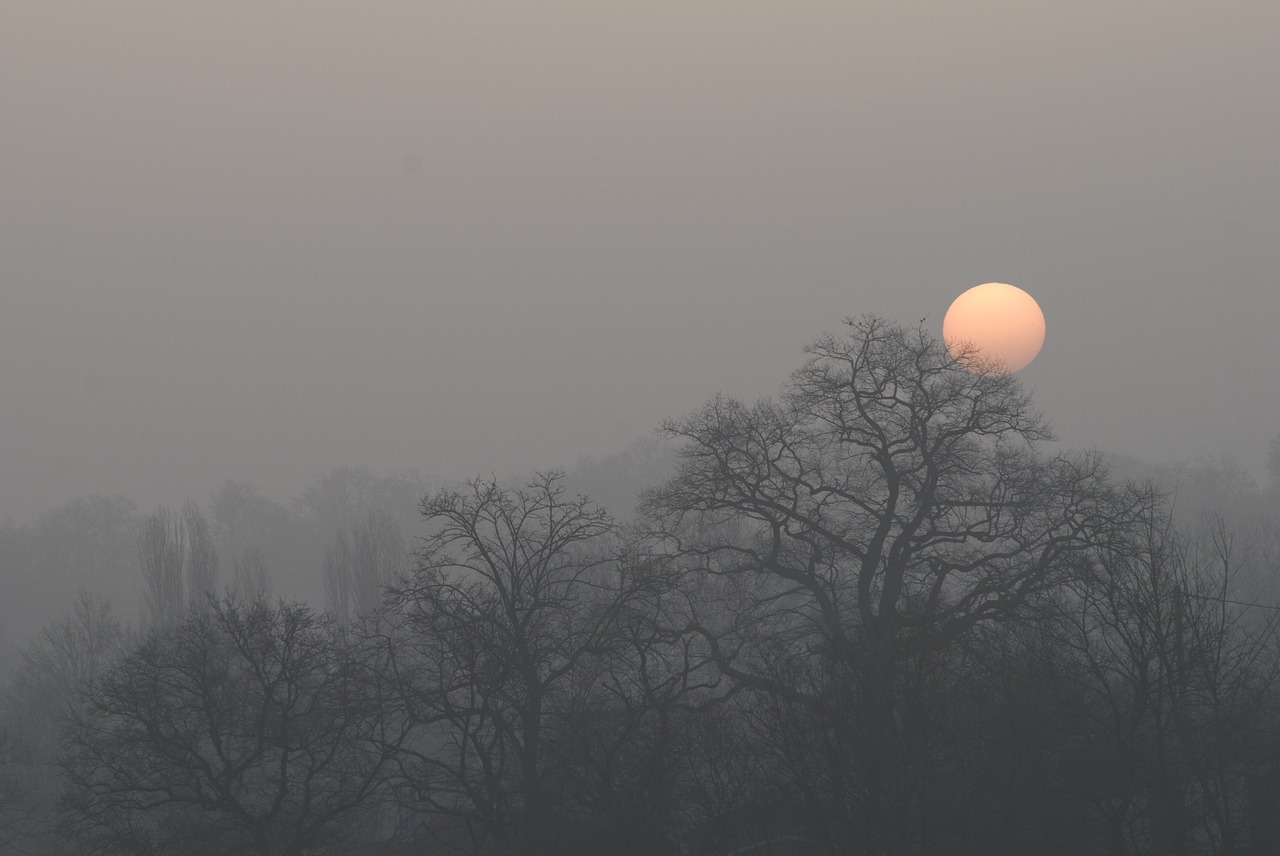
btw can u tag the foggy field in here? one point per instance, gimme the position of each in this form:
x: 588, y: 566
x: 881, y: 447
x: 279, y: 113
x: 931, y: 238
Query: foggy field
x: 532, y: 430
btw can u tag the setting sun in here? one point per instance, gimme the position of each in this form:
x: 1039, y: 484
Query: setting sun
x: 994, y: 327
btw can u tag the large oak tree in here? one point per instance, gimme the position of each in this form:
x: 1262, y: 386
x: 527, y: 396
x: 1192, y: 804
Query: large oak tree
x: 835, y: 541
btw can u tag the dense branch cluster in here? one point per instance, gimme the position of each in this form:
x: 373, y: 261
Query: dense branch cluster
x: 245, y: 729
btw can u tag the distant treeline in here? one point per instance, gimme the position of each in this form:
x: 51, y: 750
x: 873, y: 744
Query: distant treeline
x: 868, y: 617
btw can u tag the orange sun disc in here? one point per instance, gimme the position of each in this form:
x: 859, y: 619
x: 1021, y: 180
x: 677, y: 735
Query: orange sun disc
x: 994, y: 328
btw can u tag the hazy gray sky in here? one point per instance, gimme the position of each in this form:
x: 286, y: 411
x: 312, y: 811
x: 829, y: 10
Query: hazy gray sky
x: 262, y: 239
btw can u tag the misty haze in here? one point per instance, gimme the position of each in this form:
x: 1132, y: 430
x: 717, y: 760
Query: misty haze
x: 528, y: 429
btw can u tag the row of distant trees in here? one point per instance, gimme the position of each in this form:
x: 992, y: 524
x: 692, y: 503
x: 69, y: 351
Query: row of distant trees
x: 93, y: 542
x: 181, y: 568
x: 870, y: 616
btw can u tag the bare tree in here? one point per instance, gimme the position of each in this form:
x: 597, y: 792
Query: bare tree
x: 338, y: 579
x: 245, y: 729
x: 378, y: 558
x: 249, y: 578
x: 342, y: 499
x: 339, y: 499
x: 245, y: 521
x: 887, y: 504
x: 358, y: 568
x: 67, y: 657
x: 1273, y: 463
x: 627, y: 736
x: 90, y: 541
x: 14, y: 794
x: 516, y: 591
x: 177, y: 554
x: 1175, y: 681
x: 162, y: 557
x: 203, y: 569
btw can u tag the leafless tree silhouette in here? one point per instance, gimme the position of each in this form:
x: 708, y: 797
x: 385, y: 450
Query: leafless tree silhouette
x: 203, y: 569
x: 517, y: 596
x: 162, y: 555
x: 245, y: 728
x: 833, y: 539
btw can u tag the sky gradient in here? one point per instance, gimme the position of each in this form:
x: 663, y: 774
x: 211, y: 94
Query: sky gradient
x: 259, y: 240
